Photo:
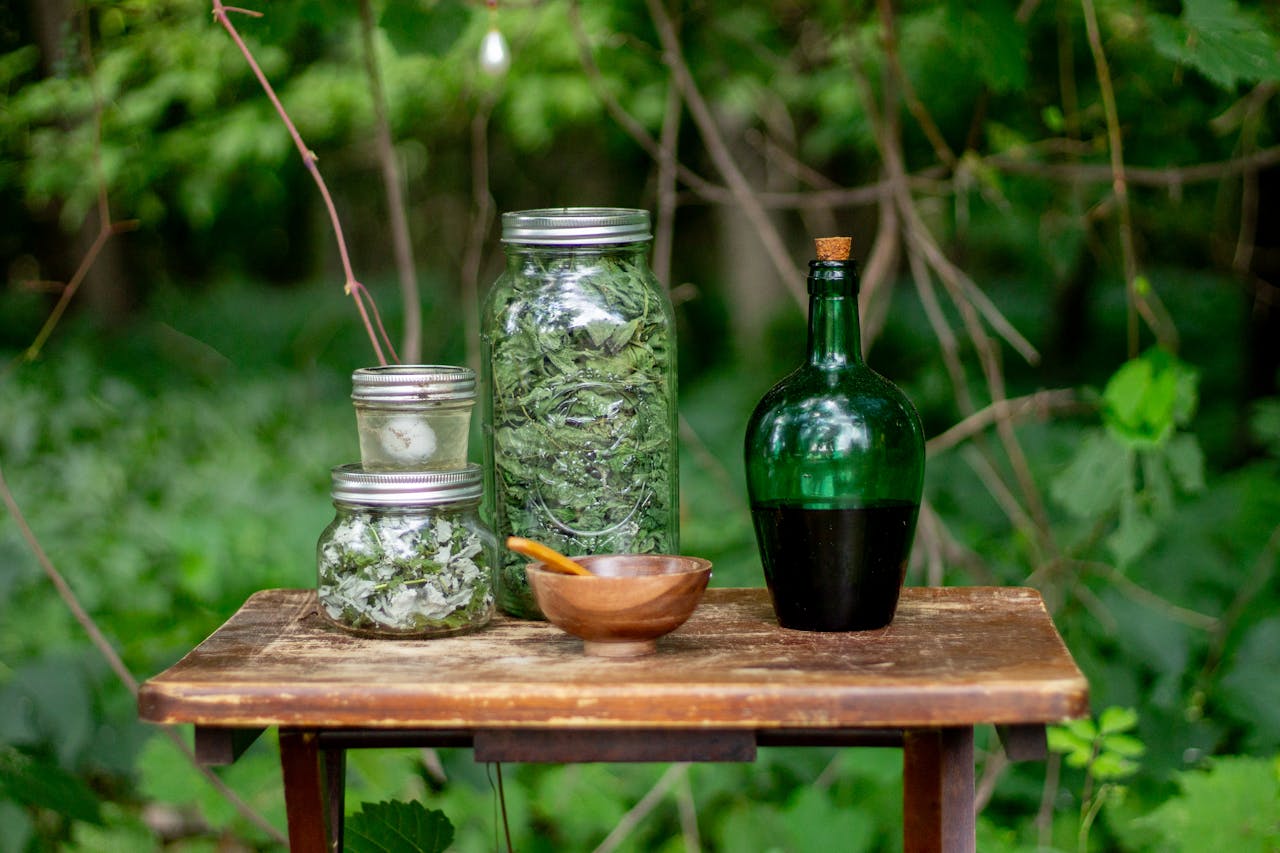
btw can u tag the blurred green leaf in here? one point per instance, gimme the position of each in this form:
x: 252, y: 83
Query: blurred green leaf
x: 430, y: 27
x: 1234, y: 805
x: 1134, y: 534
x: 1114, y: 720
x: 33, y: 781
x: 819, y: 825
x: 987, y: 32
x: 1265, y: 424
x: 1094, y: 482
x: 1250, y: 688
x: 1225, y: 43
x: 1148, y: 398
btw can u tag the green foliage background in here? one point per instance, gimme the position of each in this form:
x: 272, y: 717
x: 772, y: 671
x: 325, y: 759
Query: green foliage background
x: 172, y: 453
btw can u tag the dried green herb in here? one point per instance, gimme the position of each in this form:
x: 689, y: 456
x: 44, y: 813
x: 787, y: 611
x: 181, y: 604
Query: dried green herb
x: 396, y: 572
x: 581, y: 357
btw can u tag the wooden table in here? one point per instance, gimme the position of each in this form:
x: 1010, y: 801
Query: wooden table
x: 726, y: 682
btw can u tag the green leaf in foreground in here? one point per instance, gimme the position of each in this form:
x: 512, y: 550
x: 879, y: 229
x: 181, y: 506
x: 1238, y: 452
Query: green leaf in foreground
x: 397, y: 827
x: 1234, y: 805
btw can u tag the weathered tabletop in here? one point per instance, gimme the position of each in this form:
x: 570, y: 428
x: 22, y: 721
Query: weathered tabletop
x: 956, y: 656
x: 727, y: 681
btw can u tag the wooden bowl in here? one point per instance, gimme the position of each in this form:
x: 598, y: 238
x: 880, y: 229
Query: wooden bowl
x: 631, y: 601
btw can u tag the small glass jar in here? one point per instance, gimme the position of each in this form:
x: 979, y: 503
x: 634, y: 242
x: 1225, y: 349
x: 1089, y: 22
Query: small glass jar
x: 413, y: 417
x: 579, y: 416
x: 406, y: 554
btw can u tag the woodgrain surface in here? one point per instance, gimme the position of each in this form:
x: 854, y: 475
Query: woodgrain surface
x: 953, y: 656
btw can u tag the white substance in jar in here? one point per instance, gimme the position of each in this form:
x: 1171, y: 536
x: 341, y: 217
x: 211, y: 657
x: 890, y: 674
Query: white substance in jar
x: 408, y: 438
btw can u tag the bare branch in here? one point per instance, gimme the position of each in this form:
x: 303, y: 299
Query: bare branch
x: 878, y: 274
x: 1040, y: 404
x: 1120, y: 186
x: 65, y: 592
x: 668, y: 199
x: 743, y: 194
x: 482, y: 215
x: 107, y: 230
x: 112, y: 657
x: 641, y: 810
x: 914, y: 104
x: 629, y: 124
x: 352, y: 285
x: 999, y: 491
x: 401, y: 244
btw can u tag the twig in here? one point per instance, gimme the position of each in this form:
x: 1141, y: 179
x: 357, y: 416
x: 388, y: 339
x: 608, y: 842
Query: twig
x: 688, y: 809
x: 992, y: 769
x: 1040, y: 404
x: 1259, y: 575
x: 107, y: 230
x: 999, y: 491
x: 967, y: 297
x: 112, y: 657
x: 641, y: 810
x: 930, y: 538
x: 1142, y: 595
x: 481, y: 221
x: 1048, y: 796
x: 1137, y: 301
x: 875, y: 288
x: 65, y: 592
x: 1171, y: 177
x: 401, y: 244
x: 106, y: 227
x: 703, y: 456
x: 947, y: 342
x: 629, y: 124
x: 352, y: 286
x: 743, y: 194
x: 898, y: 195
x: 1254, y: 106
x: 914, y: 104
x: 668, y: 199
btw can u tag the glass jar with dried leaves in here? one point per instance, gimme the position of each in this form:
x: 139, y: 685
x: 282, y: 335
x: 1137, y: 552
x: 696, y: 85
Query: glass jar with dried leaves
x: 578, y: 364
x: 406, y: 554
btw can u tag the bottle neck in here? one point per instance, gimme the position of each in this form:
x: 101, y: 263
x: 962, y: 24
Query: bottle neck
x: 834, y: 337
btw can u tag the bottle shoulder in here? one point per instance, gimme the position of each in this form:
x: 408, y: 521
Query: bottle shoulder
x: 810, y: 391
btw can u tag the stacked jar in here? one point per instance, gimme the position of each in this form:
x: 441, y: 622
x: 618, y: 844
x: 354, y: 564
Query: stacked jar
x: 406, y: 554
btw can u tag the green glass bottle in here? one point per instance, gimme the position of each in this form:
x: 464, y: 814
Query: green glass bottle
x: 835, y: 469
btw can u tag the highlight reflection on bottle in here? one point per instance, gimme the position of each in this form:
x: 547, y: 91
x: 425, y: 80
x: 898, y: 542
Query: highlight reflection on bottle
x: 835, y: 470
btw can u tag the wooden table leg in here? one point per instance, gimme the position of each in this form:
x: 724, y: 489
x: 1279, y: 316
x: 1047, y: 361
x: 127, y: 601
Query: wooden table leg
x: 937, y: 789
x: 303, y: 801
x: 334, y: 760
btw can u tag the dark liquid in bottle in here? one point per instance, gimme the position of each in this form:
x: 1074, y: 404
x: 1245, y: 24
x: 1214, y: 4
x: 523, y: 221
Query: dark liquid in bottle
x: 837, y: 569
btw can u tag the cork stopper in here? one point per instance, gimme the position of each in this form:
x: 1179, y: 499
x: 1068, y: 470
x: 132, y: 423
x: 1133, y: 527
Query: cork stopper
x: 833, y: 248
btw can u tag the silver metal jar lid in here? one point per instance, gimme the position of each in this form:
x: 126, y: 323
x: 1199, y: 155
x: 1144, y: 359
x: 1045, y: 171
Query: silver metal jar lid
x: 576, y: 226
x: 413, y: 383
x: 353, y: 484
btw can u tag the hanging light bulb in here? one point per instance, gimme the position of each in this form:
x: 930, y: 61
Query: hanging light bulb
x: 495, y: 56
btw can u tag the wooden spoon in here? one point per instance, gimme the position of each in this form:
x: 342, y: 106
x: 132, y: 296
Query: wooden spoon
x: 552, y: 558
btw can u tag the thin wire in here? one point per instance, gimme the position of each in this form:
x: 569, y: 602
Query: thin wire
x: 502, y: 800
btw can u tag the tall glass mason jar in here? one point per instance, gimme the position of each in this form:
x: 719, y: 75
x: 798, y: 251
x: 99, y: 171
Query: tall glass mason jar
x: 406, y: 554
x: 579, y: 412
